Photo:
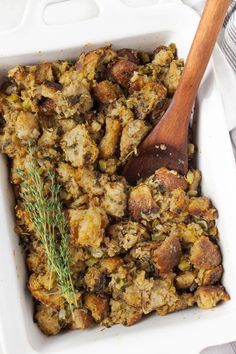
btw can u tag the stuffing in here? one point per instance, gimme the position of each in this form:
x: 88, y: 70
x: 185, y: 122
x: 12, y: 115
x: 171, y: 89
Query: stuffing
x: 26, y: 126
x: 182, y: 302
x: 168, y: 255
x: 185, y: 280
x: 88, y: 64
x: 98, y: 250
x: 189, y: 233
x: 48, y: 138
x: 129, y: 54
x: 121, y: 313
x: 163, y: 55
x: 110, y: 264
x: 36, y: 260
x: 126, y: 234
x: 143, y: 101
x: 115, y: 199
x: 201, y: 207
x: 132, y: 134
x: 211, y: 276
x: 169, y: 180
x: 98, y: 306
x: 205, y: 254
x: 122, y: 71
x: 179, y: 201
x: 95, y: 279
x: 87, y: 226
x: 81, y: 319
x: 110, y: 140
x: 90, y: 181
x: 208, y: 297
x: 78, y: 147
x: 141, y: 202
x: 48, y: 320
x: 172, y: 77
x: 43, y: 288
x: 105, y: 92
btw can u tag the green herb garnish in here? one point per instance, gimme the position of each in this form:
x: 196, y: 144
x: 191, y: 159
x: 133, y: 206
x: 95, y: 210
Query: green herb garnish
x: 40, y: 197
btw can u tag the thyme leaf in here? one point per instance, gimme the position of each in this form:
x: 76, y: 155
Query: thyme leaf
x: 41, y: 200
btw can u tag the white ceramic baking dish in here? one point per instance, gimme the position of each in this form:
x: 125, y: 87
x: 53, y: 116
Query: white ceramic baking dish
x: 144, y: 25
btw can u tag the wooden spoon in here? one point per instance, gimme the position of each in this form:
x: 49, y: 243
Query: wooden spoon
x: 166, y: 145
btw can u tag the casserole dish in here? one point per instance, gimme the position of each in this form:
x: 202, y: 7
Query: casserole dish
x: 142, y: 27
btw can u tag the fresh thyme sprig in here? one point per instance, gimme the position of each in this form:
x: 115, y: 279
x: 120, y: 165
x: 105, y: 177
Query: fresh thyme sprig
x: 46, y: 214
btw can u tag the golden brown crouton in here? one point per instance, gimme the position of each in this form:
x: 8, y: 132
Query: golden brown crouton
x: 79, y: 148
x: 119, y: 109
x: 162, y: 294
x: 123, y: 313
x: 157, y: 113
x: 198, y: 206
x: 205, y: 254
x: 127, y: 234
x: 168, y: 255
x: 44, y: 72
x: 178, y: 201
x: 65, y: 125
x: 129, y: 54
x: 145, y: 249
x: 48, y: 320
x: 95, y: 280
x: 87, y: 226
x: 132, y: 134
x: 173, y: 75
x: 110, y: 264
x: 137, y: 294
x: 201, y: 207
x: 81, y: 319
x: 187, y: 233
x: 67, y: 177
x: 106, y: 92
x: 144, y: 100
x: 98, y: 306
x: 75, y: 98
x: 208, y: 297
x: 110, y: 140
x: 185, y: 280
x: 47, y: 107
x: 169, y: 180
x: 43, y: 288
x: 51, y: 90
x: 24, y: 76
x: 26, y: 126
x: 163, y: 56
x: 88, y: 63
x: 141, y: 202
x: 212, y: 276
x: 89, y: 181
x: 36, y: 259
x: 48, y: 138
x: 122, y: 71
x: 115, y: 199
x: 66, y: 172
x: 181, y: 302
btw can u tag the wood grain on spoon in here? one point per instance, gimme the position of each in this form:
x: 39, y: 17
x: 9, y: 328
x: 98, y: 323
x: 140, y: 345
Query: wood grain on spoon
x: 166, y: 145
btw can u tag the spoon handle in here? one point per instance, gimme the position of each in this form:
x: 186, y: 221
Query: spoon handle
x: 204, y: 41
x: 173, y: 128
